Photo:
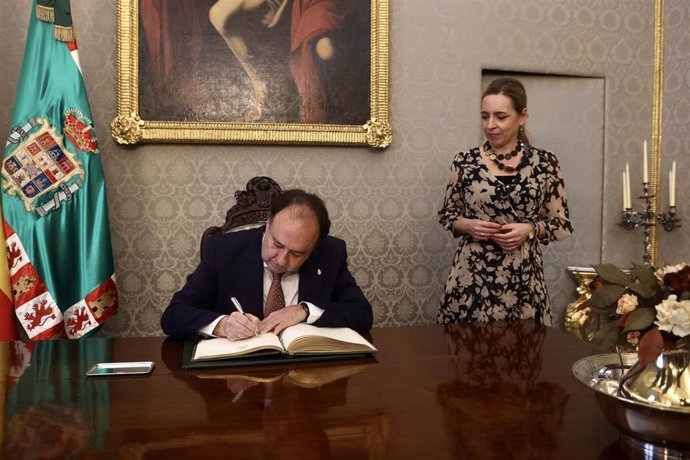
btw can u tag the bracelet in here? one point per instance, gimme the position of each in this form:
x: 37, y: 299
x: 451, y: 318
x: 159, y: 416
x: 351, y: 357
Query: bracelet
x: 536, y: 230
x: 306, y: 309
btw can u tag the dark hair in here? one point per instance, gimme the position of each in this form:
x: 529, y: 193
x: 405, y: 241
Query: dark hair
x: 297, y: 197
x: 514, y: 90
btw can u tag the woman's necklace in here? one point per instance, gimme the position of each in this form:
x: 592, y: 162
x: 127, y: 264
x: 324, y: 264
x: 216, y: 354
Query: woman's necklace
x: 499, y: 157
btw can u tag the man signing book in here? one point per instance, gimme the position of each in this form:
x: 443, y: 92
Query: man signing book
x: 266, y: 279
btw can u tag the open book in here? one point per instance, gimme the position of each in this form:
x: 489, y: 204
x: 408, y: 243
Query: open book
x: 300, y: 339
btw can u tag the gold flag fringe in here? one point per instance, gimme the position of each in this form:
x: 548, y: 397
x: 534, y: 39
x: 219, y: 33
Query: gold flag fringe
x: 45, y: 13
x: 64, y: 33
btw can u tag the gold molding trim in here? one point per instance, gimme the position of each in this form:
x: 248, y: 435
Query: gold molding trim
x: 128, y: 127
x: 657, y: 109
x: 580, y: 320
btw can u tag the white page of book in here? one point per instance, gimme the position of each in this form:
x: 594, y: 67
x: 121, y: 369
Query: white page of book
x: 343, y: 334
x: 220, y: 346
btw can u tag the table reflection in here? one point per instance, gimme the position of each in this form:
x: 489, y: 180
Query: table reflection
x: 498, y: 390
x: 47, y: 410
x: 289, y: 407
x: 496, y: 407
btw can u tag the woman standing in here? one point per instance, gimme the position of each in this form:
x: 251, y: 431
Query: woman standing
x: 502, y: 200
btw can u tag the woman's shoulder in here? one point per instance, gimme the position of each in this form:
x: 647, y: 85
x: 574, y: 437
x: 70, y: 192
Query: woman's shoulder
x: 467, y: 156
x: 543, y: 155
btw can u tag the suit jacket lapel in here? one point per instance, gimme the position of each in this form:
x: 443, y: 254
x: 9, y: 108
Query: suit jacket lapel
x: 310, y: 277
x: 252, y: 277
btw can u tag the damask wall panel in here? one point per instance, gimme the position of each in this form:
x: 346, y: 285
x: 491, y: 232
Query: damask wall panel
x: 162, y: 197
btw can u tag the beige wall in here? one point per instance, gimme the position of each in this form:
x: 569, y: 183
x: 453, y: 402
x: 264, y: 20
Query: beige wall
x: 161, y: 197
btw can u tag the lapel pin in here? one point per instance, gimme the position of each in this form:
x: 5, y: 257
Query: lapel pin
x: 318, y: 271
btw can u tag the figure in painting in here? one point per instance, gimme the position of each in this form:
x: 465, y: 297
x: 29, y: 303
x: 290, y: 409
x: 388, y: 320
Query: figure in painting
x: 328, y: 54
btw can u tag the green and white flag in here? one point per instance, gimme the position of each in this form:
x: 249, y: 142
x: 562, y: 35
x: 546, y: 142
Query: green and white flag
x: 53, y: 189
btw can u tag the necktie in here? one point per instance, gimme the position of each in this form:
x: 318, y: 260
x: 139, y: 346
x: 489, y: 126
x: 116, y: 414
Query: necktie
x: 275, y: 299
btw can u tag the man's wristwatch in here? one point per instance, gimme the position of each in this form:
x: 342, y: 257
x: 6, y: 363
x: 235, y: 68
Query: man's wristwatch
x: 306, y: 309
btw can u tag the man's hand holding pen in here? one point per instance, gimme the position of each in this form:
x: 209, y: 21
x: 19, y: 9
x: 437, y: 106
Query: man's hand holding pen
x: 238, y: 325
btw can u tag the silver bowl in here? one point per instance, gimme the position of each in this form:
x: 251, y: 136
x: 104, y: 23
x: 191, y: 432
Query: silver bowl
x: 663, y: 382
x: 647, y: 431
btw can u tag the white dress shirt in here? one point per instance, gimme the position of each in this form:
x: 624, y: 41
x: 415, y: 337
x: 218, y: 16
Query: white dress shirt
x: 290, y: 284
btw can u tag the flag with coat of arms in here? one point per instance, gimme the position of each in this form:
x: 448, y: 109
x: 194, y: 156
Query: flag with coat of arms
x: 56, y: 229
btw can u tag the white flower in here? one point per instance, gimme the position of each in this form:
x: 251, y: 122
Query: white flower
x: 673, y: 316
x: 626, y: 304
x: 668, y: 269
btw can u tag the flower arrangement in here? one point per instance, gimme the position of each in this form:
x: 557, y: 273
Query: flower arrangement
x: 647, y: 309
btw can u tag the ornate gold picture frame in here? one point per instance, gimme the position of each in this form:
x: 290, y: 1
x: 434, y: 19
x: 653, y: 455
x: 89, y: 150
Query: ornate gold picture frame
x: 268, y: 72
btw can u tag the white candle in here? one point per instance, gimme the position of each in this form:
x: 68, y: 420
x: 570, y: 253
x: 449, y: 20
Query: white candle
x: 625, y: 192
x: 674, y: 182
x: 672, y: 185
x: 645, y: 164
x: 627, y: 186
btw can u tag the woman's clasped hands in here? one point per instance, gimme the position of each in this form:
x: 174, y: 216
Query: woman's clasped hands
x: 508, y: 237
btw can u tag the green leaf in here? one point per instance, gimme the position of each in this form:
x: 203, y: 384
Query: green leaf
x: 645, y: 274
x: 605, y: 297
x: 646, y: 278
x: 606, y: 338
x: 612, y: 274
x: 643, y: 290
x: 640, y: 319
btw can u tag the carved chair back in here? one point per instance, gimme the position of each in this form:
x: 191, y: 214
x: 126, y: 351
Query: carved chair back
x: 251, y: 209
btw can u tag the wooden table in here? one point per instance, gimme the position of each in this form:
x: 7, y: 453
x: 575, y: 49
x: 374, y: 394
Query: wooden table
x: 485, y: 391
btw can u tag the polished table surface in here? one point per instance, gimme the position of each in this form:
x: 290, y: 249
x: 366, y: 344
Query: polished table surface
x: 485, y: 391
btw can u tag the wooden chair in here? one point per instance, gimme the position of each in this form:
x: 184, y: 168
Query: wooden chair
x: 251, y: 209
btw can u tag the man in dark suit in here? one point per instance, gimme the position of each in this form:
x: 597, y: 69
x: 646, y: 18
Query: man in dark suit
x: 317, y: 286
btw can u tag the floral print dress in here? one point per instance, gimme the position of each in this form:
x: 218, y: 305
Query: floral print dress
x: 485, y: 283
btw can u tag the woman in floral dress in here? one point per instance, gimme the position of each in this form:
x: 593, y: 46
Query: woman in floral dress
x: 502, y: 200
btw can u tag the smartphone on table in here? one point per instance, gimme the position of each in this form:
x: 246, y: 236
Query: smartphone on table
x: 120, y: 368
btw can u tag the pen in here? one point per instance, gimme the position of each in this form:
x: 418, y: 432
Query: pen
x: 241, y: 392
x: 237, y: 305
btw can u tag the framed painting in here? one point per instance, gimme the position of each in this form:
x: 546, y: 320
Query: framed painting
x: 253, y: 72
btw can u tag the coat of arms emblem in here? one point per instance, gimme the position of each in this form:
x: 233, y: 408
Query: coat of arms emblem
x: 39, y: 168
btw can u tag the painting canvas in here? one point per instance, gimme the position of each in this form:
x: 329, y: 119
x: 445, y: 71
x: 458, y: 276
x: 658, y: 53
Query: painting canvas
x: 253, y: 71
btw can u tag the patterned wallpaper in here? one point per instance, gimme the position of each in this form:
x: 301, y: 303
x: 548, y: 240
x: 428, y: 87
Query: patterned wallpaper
x: 161, y: 197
